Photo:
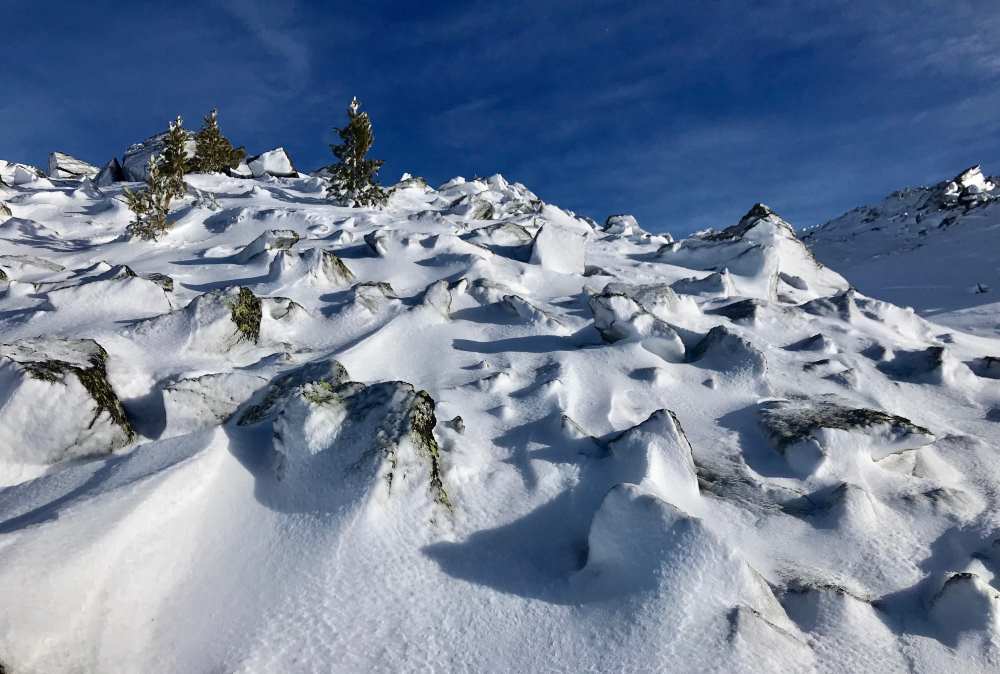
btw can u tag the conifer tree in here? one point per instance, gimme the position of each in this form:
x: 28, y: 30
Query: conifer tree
x: 353, y: 178
x: 164, y: 182
x: 214, y: 151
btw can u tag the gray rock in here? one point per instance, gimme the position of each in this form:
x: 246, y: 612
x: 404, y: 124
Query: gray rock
x: 62, y: 165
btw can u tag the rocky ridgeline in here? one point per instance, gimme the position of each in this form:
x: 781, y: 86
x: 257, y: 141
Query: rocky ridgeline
x: 817, y: 415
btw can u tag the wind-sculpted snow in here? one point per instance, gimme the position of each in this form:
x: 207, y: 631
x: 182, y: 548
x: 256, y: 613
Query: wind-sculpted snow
x: 473, y: 431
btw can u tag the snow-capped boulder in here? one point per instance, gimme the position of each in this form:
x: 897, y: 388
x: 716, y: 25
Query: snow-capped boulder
x: 274, y: 162
x: 56, y: 402
x: 716, y: 284
x: 241, y: 170
x: 811, y: 432
x: 316, y: 267
x: 266, y: 405
x: 506, y: 238
x: 111, y: 173
x: 62, y: 165
x: 559, y: 249
x: 964, y: 603
x: 15, y: 173
x: 355, y: 444
x: 724, y: 350
x: 625, y: 225
x: 933, y: 365
x: 135, y: 162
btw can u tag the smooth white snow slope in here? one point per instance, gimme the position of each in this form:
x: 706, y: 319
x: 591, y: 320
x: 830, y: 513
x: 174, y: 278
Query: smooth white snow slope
x: 474, y: 432
x: 931, y: 248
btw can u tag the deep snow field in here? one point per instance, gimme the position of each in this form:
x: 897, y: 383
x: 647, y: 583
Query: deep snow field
x: 474, y: 432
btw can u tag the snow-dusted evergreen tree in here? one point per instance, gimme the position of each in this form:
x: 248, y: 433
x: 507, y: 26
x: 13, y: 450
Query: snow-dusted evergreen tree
x: 152, y: 204
x: 214, y: 152
x: 353, y: 178
x: 164, y: 182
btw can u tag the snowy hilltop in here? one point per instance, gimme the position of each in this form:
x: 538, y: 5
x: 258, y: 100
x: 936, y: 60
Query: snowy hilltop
x: 468, y: 430
x: 932, y: 248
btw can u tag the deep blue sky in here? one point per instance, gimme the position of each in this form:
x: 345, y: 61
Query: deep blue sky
x: 683, y: 113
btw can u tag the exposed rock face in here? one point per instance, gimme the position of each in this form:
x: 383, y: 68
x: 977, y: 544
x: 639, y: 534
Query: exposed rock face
x: 274, y: 162
x: 111, y: 173
x: 811, y: 432
x: 56, y: 402
x: 135, y: 163
x: 62, y: 165
x: 371, y: 441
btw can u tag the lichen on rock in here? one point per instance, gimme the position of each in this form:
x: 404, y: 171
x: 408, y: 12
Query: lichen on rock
x: 246, y: 315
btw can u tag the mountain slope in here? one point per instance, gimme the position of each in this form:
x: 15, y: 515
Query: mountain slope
x: 932, y: 248
x: 473, y: 431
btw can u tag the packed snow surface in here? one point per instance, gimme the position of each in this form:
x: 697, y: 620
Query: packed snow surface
x: 472, y: 431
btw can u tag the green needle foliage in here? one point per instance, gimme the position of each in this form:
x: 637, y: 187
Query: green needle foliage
x: 164, y: 182
x: 214, y: 152
x: 353, y: 178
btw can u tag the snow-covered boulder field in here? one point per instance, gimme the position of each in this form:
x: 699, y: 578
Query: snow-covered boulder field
x: 473, y: 431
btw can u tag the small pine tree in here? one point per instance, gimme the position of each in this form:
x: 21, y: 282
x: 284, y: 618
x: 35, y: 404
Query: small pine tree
x: 152, y: 204
x: 352, y: 180
x: 174, y: 157
x: 214, y: 151
x: 164, y: 182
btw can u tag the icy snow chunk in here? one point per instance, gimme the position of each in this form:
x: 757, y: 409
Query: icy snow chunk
x: 355, y: 443
x: 716, y: 284
x: 56, y: 402
x: 506, y: 238
x: 657, y: 298
x: 619, y: 317
x: 559, y: 249
x: 273, y: 239
x: 62, y: 165
x: 274, y: 162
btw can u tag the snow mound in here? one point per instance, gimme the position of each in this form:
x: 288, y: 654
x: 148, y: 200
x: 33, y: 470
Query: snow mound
x: 274, y: 162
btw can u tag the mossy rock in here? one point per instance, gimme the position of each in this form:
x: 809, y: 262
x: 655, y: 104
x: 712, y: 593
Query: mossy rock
x: 246, y: 315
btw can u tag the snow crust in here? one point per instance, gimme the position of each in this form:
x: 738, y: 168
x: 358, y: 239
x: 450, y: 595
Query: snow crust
x: 473, y: 431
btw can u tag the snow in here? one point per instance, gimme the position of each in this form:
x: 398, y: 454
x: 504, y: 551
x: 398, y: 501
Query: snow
x: 473, y: 431
x: 274, y: 162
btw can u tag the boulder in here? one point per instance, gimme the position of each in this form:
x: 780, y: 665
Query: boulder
x: 724, y: 350
x: 617, y: 316
x: 135, y: 163
x: 369, y: 442
x: 62, y: 165
x: 56, y: 402
x: 111, y: 173
x: 274, y: 162
x: 195, y: 403
x: 809, y: 432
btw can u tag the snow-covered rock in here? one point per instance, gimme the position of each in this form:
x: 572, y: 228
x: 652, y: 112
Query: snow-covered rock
x: 56, y: 402
x: 135, y: 162
x: 62, y: 165
x: 274, y: 162
x: 111, y: 173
